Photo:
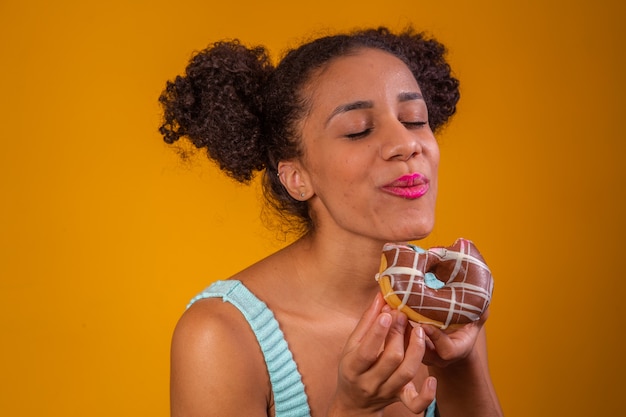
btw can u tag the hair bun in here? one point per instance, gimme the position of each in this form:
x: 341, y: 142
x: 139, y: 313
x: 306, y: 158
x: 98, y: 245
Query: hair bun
x: 217, y: 105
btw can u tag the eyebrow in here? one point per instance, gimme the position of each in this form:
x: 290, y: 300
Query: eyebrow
x: 410, y: 96
x: 358, y: 105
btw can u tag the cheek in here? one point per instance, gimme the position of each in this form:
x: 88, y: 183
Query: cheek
x: 343, y: 171
x: 340, y: 186
x: 433, y: 150
x: 434, y: 162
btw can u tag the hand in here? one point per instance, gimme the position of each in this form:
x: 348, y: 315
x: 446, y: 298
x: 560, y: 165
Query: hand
x: 378, y: 367
x: 444, y: 348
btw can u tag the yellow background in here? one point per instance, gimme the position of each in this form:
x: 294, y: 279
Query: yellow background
x: 105, y: 233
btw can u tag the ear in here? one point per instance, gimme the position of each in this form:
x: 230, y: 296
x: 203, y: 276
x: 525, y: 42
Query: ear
x: 295, y: 179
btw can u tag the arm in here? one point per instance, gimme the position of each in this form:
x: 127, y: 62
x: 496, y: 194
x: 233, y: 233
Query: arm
x: 217, y: 367
x: 465, y: 387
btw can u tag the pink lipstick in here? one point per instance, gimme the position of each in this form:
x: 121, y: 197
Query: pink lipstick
x: 410, y: 186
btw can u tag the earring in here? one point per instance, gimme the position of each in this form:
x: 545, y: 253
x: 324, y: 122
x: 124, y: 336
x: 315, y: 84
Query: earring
x: 302, y: 195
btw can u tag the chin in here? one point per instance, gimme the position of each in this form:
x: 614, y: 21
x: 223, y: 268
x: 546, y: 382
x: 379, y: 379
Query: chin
x: 415, y: 225
x: 422, y: 230
x: 412, y: 233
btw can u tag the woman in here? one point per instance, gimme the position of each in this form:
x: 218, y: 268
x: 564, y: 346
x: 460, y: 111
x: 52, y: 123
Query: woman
x: 342, y: 129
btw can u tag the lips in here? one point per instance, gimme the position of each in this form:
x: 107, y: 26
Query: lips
x: 410, y: 186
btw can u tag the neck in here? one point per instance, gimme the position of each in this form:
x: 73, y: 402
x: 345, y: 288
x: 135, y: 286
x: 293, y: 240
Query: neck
x: 336, y: 273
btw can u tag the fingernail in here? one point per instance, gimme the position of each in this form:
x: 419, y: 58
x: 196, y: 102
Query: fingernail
x: 432, y: 384
x: 385, y: 320
x: 420, y: 332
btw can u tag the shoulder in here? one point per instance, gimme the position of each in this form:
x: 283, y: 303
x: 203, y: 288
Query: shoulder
x: 216, y: 362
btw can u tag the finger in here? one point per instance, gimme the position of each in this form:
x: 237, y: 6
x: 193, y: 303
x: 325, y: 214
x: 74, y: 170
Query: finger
x: 429, y: 344
x: 454, y: 345
x: 411, y: 362
x: 365, y: 353
x: 393, y: 353
x: 416, y: 348
x: 440, y: 339
x: 366, y: 320
x: 418, y: 401
x: 441, y: 345
x: 434, y: 334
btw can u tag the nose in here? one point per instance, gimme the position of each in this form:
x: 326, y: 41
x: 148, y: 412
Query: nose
x: 401, y: 143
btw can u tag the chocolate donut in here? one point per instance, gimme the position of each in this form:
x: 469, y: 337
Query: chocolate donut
x: 443, y: 286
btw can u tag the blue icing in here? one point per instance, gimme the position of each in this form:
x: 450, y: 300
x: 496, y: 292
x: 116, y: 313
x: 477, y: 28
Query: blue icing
x: 416, y: 248
x: 431, y: 281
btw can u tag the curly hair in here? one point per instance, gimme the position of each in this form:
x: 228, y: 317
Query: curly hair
x: 244, y: 111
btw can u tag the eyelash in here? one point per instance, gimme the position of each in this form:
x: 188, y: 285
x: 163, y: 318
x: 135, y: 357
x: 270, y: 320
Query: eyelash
x: 364, y: 133
x: 415, y: 125
x: 359, y: 135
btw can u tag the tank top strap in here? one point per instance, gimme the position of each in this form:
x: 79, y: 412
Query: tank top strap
x: 290, y: 399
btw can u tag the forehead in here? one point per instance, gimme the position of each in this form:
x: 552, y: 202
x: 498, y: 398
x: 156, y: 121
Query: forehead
x: 364, y: 75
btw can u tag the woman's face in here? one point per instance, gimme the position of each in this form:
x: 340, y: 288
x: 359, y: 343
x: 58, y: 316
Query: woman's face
x: 370, y: 156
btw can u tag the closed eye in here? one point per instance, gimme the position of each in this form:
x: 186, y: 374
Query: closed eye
x: 414, y: 125
x: 359, y: 135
